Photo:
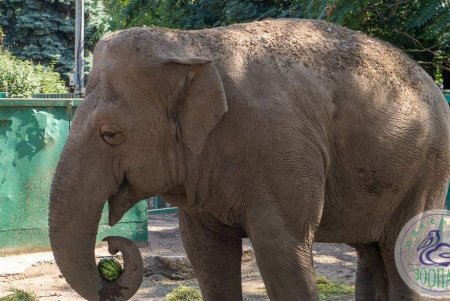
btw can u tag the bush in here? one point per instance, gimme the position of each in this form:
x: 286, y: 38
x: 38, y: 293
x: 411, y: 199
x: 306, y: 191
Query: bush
x: 50, y: 80
x: 19, y: 295
x: 22, y: 78
x: 184, y: 293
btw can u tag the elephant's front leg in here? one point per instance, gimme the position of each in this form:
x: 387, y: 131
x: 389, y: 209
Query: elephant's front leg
x: 216, y: 259
x: 284, y: 258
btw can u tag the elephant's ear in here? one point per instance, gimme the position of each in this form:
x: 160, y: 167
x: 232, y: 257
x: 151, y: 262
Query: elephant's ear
x: 201, y: 101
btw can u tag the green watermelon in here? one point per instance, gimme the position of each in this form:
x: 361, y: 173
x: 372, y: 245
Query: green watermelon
x: 109, y: 268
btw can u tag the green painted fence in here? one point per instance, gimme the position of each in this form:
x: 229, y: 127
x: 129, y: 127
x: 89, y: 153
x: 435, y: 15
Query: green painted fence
x: 32, y: 136
x: 447, y: 95
x: 159, y: 206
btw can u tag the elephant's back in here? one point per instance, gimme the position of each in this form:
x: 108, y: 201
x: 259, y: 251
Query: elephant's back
x: 315, y: 46
x: 335, y: 57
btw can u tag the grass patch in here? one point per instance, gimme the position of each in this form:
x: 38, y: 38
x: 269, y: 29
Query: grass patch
x: 184, y: 293
x: 325, y: 287
x: 328, y: 288
x: 19, y: 295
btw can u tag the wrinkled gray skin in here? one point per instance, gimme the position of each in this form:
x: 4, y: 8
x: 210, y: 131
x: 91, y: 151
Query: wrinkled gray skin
x: 287, y: 131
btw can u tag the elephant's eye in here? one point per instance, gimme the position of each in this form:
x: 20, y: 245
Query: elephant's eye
x: 108, y: 134
x: 112, y: 135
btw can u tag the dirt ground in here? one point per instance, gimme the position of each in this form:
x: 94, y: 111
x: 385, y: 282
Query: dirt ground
x: 38, y: 273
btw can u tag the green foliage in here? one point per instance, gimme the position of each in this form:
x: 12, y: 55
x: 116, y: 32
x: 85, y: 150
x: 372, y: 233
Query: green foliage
x: 22, y: 78
x: 96, y: 22
x: 194, y: 14
x: 327, y: 288
x: 128, y: 13
x: 43, y: 30
x: 419, y: 27
x: 49, y: 80
x: 19, y: 295
x: 184, y: 293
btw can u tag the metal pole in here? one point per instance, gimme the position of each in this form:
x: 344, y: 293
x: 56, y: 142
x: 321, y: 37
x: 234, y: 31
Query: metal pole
x: 79, y: 47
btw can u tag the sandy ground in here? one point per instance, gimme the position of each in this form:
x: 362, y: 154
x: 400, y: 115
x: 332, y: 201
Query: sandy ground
x: 37, y: 272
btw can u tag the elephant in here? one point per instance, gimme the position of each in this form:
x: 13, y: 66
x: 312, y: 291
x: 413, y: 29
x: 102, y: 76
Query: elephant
x: 284, y: 131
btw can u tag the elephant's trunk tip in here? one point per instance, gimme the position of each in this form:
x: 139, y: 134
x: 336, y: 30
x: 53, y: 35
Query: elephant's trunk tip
x: 130, y: 280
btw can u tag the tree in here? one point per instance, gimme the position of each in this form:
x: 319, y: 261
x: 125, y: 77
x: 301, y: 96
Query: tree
x: 129, y: 13
x: 43, y: 30
x: 188, y: 14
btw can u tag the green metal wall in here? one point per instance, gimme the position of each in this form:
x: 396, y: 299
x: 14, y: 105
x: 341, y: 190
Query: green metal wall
x: 32, y: 136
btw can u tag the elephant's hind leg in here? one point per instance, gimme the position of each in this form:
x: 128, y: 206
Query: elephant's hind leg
x: 371, y: 279
x: 216, y: 258
x: 427, y: 194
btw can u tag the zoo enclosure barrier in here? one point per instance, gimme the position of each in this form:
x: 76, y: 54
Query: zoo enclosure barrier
x: 157, y: 205
x: 33, y: 132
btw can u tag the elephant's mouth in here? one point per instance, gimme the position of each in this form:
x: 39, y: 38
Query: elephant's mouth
x: 120, y: 202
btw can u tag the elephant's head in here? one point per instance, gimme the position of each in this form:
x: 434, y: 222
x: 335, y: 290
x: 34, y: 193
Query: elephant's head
x: 143, y: 114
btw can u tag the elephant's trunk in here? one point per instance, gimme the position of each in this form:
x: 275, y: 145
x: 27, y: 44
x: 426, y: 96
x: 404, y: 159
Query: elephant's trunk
x: 76, y: 204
